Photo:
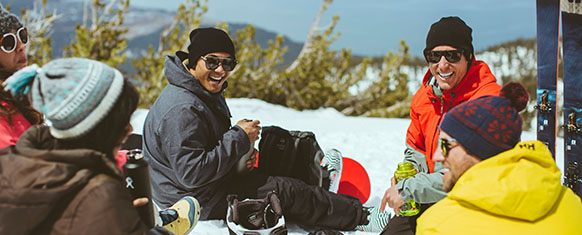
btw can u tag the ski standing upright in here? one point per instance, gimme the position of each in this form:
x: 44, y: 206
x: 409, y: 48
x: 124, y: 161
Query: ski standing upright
x: 548, y: 20
x: 572, y: 49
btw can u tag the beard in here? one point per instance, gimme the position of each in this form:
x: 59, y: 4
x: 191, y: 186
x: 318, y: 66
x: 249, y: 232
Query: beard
x: 449, y: 180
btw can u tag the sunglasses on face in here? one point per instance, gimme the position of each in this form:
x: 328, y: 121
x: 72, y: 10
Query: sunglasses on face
x: 212, y: 62
x: 446, y: 146
x: 452, y: 56
x: 8, y: 41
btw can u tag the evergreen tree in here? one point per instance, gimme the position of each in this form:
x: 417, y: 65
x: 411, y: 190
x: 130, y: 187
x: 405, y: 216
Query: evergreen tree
x: 39, y: 24
x: 101, y: 37
x: 149, y: 68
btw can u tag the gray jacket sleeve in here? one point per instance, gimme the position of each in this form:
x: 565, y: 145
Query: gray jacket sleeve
x: 186, y: 136
x: 424, y: 187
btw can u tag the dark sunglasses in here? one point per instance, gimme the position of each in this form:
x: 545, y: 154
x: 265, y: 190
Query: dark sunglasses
x: 452, y: 56
x: 212, y: 62
x: 445, y: 145
x: 8, y: 41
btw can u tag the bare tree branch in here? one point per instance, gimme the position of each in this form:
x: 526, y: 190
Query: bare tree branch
x: 307, y: 45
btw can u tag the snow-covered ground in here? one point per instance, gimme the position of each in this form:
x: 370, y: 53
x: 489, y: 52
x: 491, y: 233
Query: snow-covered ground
x: 376, y: 143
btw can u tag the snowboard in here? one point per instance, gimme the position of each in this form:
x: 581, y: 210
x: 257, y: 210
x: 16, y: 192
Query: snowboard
x: 548, y: 20
x: 354, y: 180
x: 572, y: 49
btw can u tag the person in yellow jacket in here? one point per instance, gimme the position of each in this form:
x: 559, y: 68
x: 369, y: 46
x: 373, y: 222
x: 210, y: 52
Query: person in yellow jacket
x: 496, y: 184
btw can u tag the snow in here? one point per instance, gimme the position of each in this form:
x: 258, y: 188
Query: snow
x: 376, y: 143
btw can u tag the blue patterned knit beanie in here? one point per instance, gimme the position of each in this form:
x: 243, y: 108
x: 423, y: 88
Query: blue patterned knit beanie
x: 74, y: 94
x: 488, y: 125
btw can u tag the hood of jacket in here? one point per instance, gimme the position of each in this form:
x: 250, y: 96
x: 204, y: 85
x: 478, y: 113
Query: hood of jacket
x: 522, y: 183
x: 177, y: 75
x: 37, y: 179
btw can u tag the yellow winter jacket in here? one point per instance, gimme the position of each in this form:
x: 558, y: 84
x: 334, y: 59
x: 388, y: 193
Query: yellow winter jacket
x: 515, y: 192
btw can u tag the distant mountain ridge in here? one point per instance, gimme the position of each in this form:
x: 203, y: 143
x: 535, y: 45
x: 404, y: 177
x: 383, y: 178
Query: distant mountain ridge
x: 145, y: 27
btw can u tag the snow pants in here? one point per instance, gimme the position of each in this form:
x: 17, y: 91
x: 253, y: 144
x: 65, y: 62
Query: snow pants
x: 307, y: 205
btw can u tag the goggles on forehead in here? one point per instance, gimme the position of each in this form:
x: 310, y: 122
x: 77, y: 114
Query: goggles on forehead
x: 212, y: 62
x: 446, y: 146
x: 452, y: 56
x: 8, y: 42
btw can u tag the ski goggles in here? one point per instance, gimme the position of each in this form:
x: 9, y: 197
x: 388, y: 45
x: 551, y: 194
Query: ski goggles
x: 212, y: 62
x: 446, y: 146
x: 452, y: 56
x: 277, y: 227
x: 255, y: 216
x: 8, y: 41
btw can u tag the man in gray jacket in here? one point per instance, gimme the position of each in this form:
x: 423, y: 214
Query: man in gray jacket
x: 193, y: 150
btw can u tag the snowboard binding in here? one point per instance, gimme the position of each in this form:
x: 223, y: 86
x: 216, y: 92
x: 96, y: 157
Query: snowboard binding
x: 572, y: 127
x: 544, y: 105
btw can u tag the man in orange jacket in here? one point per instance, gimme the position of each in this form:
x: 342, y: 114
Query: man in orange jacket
x: 454, y: 76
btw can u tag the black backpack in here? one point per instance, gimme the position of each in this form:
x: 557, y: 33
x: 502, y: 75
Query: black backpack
x: 293, y: 154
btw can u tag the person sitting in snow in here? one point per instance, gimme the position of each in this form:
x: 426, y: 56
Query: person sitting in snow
x: 454, y: 76
x: 61, y: 178
x: 496, y: 184
x: 193, y: 149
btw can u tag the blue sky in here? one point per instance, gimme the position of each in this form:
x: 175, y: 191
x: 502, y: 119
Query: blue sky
x: 375, y: 27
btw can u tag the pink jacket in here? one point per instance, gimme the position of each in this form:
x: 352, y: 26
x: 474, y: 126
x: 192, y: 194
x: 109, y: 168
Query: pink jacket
x: 11, y: 131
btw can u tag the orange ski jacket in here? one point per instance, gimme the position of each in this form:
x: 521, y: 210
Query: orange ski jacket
x: 427, y: 108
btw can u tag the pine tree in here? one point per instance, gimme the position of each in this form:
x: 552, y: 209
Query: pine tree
x: 149, y: 68
x: 318, y: 77
x: 256, y: 74
x: 101, y: 37
x: 39, y: 24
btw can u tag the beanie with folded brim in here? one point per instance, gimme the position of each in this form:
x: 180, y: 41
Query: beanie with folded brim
x: 208, y: 40
x: 451, y: 31
x: 488, y: 125
x: 74, y: 94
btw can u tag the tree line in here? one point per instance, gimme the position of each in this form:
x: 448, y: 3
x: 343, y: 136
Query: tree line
x: 318, y: 77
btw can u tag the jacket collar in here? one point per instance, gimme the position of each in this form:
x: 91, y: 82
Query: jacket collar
x: 177, y: 75
x: 478, y: 75
x: 522, y: 183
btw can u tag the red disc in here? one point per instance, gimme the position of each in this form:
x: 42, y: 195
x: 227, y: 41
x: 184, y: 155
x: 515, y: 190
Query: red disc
x: 354, y: 180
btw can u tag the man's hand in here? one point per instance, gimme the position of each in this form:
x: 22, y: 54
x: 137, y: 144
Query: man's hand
x: 140, y: 201
x: 251, y: 127
x: 392, y: 198
x: 251, y: 162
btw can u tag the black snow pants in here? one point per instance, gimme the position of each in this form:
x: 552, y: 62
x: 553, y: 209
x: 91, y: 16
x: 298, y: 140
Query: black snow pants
x: 304, y: 204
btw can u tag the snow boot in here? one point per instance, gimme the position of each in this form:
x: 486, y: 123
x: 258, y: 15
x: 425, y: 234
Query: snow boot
x: 375, y: 221
x: 332, y: 163
x: 181, y: 218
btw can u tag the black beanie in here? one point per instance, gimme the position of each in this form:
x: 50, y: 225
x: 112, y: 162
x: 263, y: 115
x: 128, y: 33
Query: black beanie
x: 208, y: 40
x: 451, y: 31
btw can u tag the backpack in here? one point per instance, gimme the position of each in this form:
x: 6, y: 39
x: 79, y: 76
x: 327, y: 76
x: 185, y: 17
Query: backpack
x: 293, y: 154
